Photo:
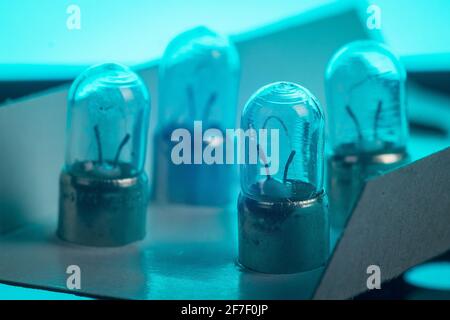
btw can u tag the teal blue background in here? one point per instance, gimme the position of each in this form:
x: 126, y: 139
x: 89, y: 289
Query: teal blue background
x: 8, y: 292
x: 36, y: 44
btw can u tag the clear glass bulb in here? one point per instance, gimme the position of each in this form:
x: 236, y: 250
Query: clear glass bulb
x: 107, y: 122
x: 199, y: 80
x: 365, y: 89
x: 296, y: 117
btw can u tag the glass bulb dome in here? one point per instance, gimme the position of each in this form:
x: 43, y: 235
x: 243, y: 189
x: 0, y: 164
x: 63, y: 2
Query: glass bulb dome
x: 107, y: 122
x: 291, y: 115
x: 365, y: 89
x: 198, y: 85
x: 199, y: 81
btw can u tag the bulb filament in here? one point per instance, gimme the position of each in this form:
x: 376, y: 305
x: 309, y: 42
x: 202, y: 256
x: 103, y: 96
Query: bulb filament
x: 99, y: 146
x: 119, y: 150
x: 377, y: 120
x: 356, y: 122
x: 358, y: 126
x: 291, y: 155
x: 191, y: 104
x: 288, y: 163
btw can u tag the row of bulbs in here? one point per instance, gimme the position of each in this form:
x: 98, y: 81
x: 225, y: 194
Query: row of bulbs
x: 283, y: 217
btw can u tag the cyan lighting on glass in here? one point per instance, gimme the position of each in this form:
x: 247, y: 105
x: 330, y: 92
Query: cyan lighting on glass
x: 198, y: 82
x: 103, y: 185
x: 283, y: 216
x: 366, y: 118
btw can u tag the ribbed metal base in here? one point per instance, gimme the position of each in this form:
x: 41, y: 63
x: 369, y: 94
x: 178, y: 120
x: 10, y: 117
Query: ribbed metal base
x: 102, y: 212
x: 283, y: 237
x: 346, y: 177
x: 345, y: 182
x: 173, y: 184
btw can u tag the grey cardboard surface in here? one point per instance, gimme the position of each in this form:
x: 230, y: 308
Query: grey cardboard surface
x: 189, y: 253
x: 401, y: 220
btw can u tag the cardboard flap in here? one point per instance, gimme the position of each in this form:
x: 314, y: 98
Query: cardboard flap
x: 401, y: 220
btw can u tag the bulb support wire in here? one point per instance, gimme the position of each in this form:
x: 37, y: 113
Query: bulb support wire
x: 291, y: 155
x: 119, y: 149
x: 192, y: 104
x: 355, y: 121
x: 99, y: 144
x: 377, y: 119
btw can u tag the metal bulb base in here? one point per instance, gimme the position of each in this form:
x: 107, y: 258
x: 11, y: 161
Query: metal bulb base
x: 285, y: 236
x: 346, y: 179
x: 102, y: 212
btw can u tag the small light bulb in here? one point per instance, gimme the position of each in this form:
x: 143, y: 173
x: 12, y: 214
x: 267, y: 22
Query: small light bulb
x: 103, y: 185
x: 283, y: 217
x: 366, y: 117
x: 365, y: 86
x: 198, y: 77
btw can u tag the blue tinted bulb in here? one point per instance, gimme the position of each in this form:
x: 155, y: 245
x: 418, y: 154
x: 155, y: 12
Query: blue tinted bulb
x: 290, y: 160
x: 199, y: 80
x: 107, y: 121
x: 365, y: 89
